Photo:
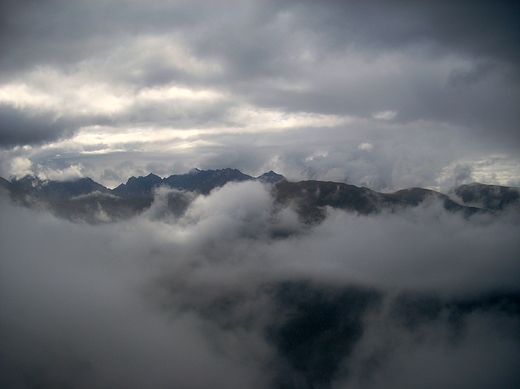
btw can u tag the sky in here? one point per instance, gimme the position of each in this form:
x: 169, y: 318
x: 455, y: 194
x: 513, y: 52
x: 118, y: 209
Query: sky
x: 384, y: 94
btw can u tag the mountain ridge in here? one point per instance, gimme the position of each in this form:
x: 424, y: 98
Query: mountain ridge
x: 83, y: 199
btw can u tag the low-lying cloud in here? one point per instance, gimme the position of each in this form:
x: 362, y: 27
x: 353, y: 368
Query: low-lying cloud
x: 235, y: 292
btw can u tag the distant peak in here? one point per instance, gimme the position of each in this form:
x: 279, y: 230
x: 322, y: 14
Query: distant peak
x: 271, y: 177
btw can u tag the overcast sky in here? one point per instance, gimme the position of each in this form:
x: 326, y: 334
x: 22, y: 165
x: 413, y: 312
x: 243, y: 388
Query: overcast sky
x: 386, y: 94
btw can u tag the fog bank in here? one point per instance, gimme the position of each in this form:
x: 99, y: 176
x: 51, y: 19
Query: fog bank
x: 236, y: 293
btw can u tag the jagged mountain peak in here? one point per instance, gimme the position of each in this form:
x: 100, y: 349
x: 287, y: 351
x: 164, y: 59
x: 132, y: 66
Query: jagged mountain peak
x: 204, y: 181
x: 270, y: 177
x: 196, y: 180
x: 309, y: 199
x: 138, y: 186
x: 149, y: 177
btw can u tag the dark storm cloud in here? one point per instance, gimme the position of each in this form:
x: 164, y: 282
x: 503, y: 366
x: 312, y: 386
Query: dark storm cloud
x: 238, y: 293
x: 19, y: 126
x: 481, y: 29
x: 61, y: 33
x: 438, y: 43
x: 261, y: 40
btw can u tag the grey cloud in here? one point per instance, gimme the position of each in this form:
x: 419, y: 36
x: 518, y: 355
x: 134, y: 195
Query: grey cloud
x: 488, y: 29
x: 415, y: 157
x: 462, y: 174
x: 259, y: 49
x: 426, y: 37
x: 64, y: 33
x: 179, y: 114
x: 22, y: 126
x: 460, y: 77
x: 19, y: 127
x: 482, y: 29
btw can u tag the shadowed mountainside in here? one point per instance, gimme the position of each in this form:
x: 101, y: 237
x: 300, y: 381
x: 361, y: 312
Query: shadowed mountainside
x: 310, y: 199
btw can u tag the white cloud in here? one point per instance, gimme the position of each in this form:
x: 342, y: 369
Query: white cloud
x: 20, y: 167
x: 175, y: 92
x: 65, y: 94
x: 258, y: 119
x: 497, y: 169
x: 365, y: 146
x: 70, y: 173
x: 22, y: 95
x: 104, y: 85
x: 384, y: 115
x: 492, y: 169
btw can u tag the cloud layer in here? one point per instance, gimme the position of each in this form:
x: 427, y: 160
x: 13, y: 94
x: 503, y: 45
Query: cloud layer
x: 121, y: 87
x: 236, y: 293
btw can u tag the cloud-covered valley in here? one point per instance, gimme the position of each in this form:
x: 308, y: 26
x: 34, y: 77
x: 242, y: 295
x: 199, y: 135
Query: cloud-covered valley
x: 235, y: 291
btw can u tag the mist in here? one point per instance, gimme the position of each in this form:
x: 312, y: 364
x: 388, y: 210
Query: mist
x: 239, y: 293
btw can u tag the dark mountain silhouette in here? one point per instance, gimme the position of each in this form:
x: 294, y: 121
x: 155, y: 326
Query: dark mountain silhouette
x: 58, y: 190
x: 6, y: 185
x: 204, y: 181
x: 271, y: 177
x: 140, y: 186
x: 310, y: 199
x: 86, y: 200
x: 201, y: 181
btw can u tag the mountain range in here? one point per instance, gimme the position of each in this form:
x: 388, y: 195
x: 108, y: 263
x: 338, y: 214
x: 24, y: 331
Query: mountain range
x: 86, y: 200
